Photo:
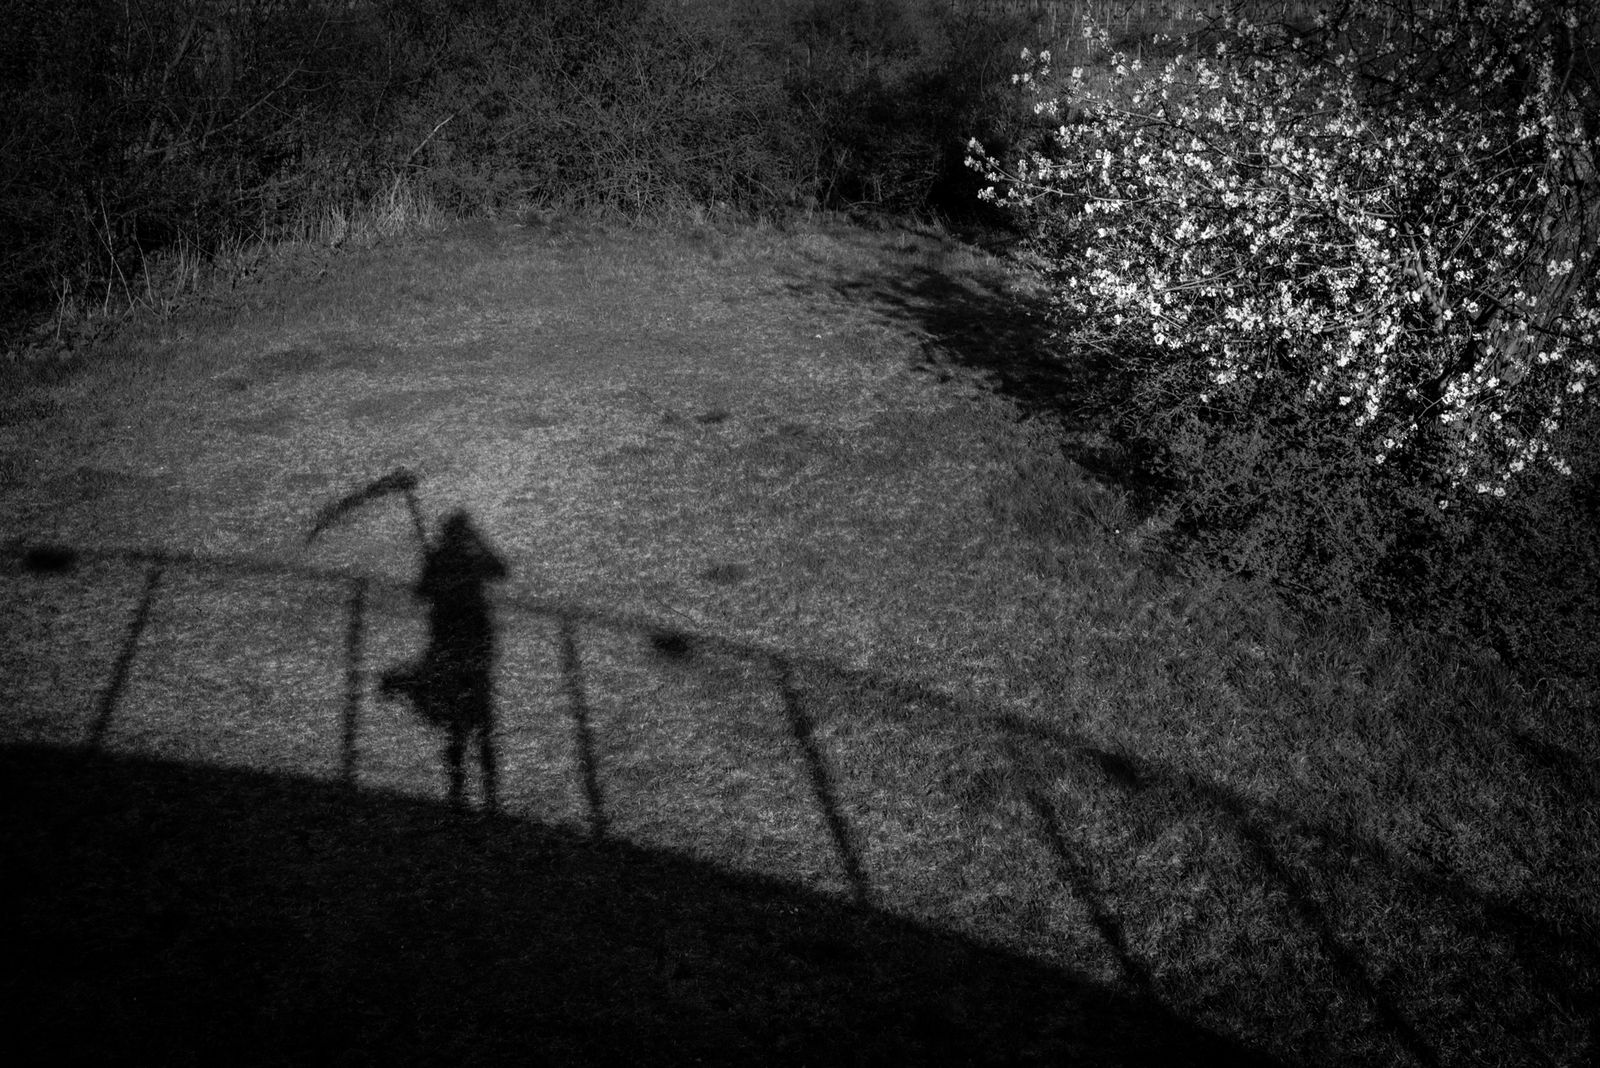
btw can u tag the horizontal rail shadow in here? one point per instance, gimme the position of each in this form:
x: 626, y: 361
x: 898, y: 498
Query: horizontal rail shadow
x: 1552, y: 940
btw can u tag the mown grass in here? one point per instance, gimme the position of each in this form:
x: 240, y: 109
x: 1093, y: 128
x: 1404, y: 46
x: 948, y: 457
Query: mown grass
x: 798, y: 599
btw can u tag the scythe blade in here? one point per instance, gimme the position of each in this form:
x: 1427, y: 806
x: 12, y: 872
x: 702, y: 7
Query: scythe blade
x: 400, y: 480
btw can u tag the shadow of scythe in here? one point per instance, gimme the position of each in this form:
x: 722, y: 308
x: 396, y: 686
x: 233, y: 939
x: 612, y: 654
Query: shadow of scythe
x: 401, y: 480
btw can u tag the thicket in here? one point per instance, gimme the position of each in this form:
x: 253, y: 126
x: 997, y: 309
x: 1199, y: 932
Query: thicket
x: 140, y: 128
x: 1343, y: 278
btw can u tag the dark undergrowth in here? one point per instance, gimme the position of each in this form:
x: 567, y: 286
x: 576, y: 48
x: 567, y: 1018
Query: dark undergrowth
x: 208, y: 916
x: 146, y: 141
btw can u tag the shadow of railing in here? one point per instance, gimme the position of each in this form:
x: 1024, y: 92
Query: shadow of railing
x: 1131, y: 778
x: 130, y: 644
x: 1290, y: 854
x: 355, y: 659
x: 578, y: 706
x: 360, y: 592
x: 242, y: 918
x: 801, y: 730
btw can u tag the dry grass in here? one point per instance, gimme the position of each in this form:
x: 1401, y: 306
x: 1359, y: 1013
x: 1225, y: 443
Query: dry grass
x: 796, y: 597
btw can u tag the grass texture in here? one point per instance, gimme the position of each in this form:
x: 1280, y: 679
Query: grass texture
x: 838, y: 716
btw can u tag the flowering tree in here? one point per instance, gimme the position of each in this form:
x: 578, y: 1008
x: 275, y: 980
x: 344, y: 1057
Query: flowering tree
x: 1395, y: 230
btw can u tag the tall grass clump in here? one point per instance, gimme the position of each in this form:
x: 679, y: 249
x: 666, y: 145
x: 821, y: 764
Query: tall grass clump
x: 620, y: 107
x: 1344, y: 281
x: 133, y: 129
x: 185, y: 127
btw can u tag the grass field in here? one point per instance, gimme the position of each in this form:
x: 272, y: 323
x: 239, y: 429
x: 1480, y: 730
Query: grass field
x: 839, y: 717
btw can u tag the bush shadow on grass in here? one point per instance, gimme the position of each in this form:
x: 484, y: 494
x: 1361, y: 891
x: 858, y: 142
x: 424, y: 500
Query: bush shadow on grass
x: 980, y: 325
x: 1480, y: 577
x: 176, y: 914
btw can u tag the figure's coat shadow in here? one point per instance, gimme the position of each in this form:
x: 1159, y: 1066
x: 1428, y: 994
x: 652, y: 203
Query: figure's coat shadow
x: 452, y: 685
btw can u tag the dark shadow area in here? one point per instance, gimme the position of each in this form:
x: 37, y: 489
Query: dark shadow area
x: 48, y: 559
x: 177, y: 915
x: 64, y: 834
x: 452, y: 685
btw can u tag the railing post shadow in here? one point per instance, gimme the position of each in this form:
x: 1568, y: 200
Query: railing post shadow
x: 800, y: 730
x: 354, y: 675
x: 578, y: 705
x: 124, y: 664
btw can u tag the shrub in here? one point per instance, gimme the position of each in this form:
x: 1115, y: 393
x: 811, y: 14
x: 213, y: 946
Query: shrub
x: 134, y: 128
x: 1520, y: 574
x: 1348, y: 277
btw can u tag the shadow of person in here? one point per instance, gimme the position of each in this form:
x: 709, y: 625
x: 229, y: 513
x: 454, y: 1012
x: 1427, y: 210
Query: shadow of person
x: 451, y: 686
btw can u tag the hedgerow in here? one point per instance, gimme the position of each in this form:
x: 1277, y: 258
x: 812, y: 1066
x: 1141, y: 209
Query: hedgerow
x: 137, y: 129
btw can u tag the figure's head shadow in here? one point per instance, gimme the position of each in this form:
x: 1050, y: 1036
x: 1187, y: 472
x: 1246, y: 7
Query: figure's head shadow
x: 457, y: 566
